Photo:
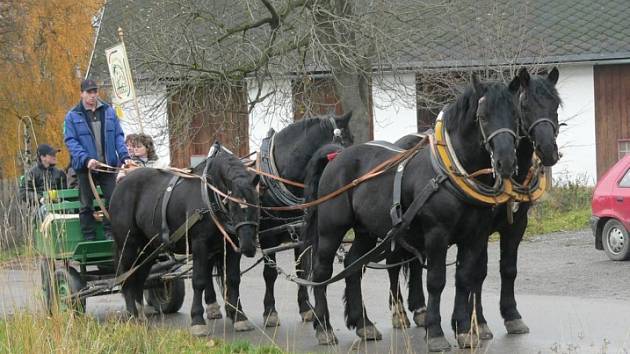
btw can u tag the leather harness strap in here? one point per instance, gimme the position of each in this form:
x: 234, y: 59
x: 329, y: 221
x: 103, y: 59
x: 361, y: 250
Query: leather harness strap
x: 380, y: 251
x: 277, y: 190
x: 165, y: 199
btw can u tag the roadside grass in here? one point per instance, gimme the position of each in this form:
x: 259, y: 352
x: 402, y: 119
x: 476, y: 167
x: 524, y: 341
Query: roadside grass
x: 565, y: 207
x: 64, y: 333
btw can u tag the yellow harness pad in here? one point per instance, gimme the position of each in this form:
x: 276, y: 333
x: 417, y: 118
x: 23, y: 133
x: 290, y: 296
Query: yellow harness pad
x: 533, y: 194
x: 465, y: 184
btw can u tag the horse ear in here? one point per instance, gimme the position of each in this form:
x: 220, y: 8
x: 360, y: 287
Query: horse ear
x: 515, y: 84
x: 255, y: 180
x: 553, y: 75
x: 476, y: 84
x: 523, y: 76
x: 342, y: 121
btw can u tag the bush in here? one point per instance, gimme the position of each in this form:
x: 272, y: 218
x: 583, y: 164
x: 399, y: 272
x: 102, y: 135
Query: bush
x: 565, y: 207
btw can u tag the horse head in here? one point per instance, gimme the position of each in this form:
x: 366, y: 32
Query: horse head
x: 295, y: 144
x: 538, y: 105
x: 226, y: 172
x: 245, y: 217
x: 495, y: 115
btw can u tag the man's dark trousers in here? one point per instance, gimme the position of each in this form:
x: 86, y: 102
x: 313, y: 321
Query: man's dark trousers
x: 107, y: 181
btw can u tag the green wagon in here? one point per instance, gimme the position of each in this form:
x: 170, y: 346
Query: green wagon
x: 73, y: 269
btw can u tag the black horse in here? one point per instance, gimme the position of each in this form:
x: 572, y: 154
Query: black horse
x: 482, y: 124
x: 136, y: 211
x: 291, y: 149
x: 538, y: 102
x: 538, y: 107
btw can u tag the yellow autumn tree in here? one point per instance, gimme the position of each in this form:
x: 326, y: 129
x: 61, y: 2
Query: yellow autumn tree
x: 45, y: 45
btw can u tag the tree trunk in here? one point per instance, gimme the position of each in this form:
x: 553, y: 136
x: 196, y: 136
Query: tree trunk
x: 349, y: 67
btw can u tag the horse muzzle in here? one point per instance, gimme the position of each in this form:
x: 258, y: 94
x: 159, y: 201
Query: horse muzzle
x: 247, y: 232
x: 548, y: 154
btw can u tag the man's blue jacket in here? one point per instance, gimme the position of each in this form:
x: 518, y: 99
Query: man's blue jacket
x: 79, y: 137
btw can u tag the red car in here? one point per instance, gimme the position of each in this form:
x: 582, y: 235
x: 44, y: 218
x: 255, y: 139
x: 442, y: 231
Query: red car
x: 611, y: 211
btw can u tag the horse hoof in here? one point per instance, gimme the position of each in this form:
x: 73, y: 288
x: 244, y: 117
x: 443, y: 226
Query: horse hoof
x: 438, y: 344
x: 399, y: 317
x: 516, y: 327
x: 272, y: 320
x: 243, y: 326
x: 484, y: 332
x: 213, y: 311
x: 142, y: 317
x: 307, y: 316
x: 419, y: 315
x: 466, y: 340
x: 400, y: 321
x: 326, y: 337
x: 199, y: 330
x: 150, y: 310
x: 369, y: 333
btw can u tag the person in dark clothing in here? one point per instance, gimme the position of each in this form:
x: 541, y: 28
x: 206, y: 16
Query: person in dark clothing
x: 71, y: 177
x: 93, y: 134
x: 42, y: 177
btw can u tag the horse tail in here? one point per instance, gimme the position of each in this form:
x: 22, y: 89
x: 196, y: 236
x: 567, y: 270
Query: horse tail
x: 314, y: 170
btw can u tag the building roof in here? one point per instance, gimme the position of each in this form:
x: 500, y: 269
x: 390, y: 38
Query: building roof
x: 531, y: 31
x: 431, y: 33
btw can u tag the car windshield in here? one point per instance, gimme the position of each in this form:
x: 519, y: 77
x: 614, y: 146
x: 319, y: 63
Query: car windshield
x: 625, y: 181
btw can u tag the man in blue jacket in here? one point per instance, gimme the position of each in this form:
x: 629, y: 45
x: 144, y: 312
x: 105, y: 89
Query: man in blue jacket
x: 93, y: 134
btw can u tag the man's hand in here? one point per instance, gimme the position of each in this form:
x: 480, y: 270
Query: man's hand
x: 92, y: 164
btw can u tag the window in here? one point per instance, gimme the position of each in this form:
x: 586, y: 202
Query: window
x: 623, y: 148
x: 625, y: 181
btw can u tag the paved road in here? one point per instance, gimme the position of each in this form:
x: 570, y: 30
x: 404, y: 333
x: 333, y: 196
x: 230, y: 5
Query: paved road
x: 573, y: 298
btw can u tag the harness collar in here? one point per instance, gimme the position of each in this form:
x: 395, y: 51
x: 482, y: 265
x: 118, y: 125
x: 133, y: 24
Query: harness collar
x: 531, y: 189
x: 445, y: 155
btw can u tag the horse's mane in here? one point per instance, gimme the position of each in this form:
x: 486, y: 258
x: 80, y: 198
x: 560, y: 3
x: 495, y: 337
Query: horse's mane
x: 463, y: 110
x: 541, y: 87
x: 307, y: 122
x: 231, y: 167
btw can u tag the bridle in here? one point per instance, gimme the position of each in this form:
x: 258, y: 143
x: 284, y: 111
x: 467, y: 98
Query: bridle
x: 337, y: 136
x: 218, y: 205
x: 538, y: 121
x: 488, y: 138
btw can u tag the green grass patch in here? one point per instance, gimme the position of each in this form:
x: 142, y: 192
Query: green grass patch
x: 566, y: 207
x: 63, y: 333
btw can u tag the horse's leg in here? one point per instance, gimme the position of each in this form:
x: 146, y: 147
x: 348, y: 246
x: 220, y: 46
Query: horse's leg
x: 436, y: 246
x: 233, y: 309
x: 415, y: 299
x: 469, y: 256
x: 306, y: 309
x: 127, y: 254
x: 356, y: 316
x: 213, y: 310
x: 481, y: 271
x: 396, y: 302
x: 200, y: 280
x: 511, y: 236
x: 322, y: 270
x: 270, y: 274
x: 140, y: 276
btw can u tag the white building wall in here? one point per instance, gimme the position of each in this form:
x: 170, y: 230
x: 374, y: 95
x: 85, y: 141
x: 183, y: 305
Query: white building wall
x: 154, y: 119
x: 395, y: 113
x: 275, y: 111
x: 577, y: 140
